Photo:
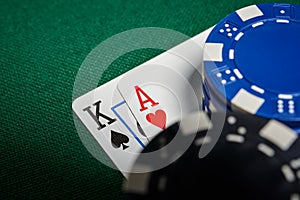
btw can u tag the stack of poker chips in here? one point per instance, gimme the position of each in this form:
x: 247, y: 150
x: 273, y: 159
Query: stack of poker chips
x: 250, y: 71
x: 249, y: 161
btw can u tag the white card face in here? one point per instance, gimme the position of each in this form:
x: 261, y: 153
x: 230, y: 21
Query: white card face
x: 158, y: 96
x: 110, y: 112
x: 107, y: 117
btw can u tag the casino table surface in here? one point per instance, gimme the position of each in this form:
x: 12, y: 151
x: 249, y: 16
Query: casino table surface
x: 42, y: 46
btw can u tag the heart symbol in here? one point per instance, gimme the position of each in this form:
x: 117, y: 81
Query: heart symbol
x: 158, y: 119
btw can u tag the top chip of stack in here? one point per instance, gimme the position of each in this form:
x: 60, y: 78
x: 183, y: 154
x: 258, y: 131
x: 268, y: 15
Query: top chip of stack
x: 252, y: 62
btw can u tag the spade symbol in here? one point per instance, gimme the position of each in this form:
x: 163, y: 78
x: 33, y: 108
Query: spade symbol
x: 119, y: 139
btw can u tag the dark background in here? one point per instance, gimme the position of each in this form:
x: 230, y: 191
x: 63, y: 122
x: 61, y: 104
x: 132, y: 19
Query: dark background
x: 42, y: 46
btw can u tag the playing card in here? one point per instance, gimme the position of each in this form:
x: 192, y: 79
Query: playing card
x: 107, y: 117
x: 159, y: 95
x: 106, y: 114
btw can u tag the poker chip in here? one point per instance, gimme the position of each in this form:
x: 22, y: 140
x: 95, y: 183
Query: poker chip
x: 253, y: 158
x: 251, y: 63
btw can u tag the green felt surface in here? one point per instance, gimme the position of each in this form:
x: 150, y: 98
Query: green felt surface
x: 42, y: 46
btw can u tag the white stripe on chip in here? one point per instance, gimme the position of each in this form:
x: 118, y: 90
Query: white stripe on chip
x: 285, y: 96
x: 231, y: 54
x: 249, y: 12
x: 265, y: 149
x: 235, y: 138
x: 257, y: 89
x: 288, y: 173
x: 257, y: 24
x: 238, y: 37
x: 279, y: 134
x: 238, y: 73
x: 202, y: 140
x: 213, y: 52
x: 282, y: 21
x: 247, y: 101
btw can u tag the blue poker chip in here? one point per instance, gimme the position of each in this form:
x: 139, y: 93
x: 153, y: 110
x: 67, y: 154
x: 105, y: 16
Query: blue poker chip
x: 252, y: 62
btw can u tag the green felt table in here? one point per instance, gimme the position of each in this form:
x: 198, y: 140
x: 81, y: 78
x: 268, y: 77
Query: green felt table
x: 42, y: 46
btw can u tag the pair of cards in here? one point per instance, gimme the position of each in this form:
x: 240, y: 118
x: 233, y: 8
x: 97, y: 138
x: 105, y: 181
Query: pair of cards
x: 124, y: 114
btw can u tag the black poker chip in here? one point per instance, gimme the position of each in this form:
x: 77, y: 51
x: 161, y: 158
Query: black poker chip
x: 251, y: 158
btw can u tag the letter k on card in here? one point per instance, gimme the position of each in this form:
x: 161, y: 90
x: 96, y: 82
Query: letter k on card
x: 156, y: 96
